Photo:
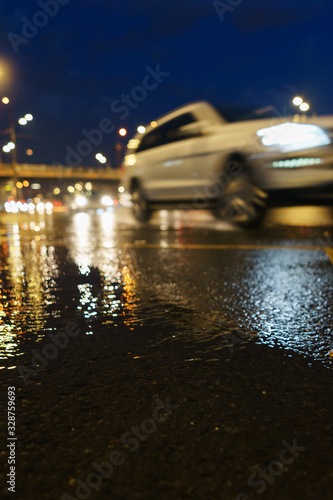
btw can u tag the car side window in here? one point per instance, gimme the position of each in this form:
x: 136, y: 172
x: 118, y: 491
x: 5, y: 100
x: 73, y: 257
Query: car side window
x: 150, y: 140
x: 170, y: 131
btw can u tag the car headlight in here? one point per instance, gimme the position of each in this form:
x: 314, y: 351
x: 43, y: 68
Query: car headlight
x: 129, y: 160
x: 293, y: 136
x: 107, y: 201
x: 81, y: 201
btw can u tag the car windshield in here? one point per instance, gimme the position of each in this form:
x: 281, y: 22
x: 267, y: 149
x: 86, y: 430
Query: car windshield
x: 237, y: 114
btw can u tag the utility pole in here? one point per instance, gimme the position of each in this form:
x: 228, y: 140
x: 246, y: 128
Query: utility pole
x: 118, y: 154
x: 13, y: 152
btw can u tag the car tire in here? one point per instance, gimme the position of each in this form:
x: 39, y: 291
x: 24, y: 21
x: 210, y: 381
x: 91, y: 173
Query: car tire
x: 140, y: 207
x: 241, y: 202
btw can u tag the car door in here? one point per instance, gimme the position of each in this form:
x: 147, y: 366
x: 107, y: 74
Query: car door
x: 168, y: 166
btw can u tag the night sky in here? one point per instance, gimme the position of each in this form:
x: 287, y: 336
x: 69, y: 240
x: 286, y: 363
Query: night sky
x: 90, y: 53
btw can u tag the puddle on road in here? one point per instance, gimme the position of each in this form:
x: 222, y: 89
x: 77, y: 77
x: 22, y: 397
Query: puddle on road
x: 210, y: 300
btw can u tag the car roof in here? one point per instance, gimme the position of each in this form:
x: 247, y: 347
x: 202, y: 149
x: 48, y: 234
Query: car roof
x: 186, y: 108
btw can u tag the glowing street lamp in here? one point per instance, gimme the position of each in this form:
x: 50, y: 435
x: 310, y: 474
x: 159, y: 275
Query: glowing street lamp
x: 8, y: 147
x: 297, y: 101
x: 101, y: 158
x: 122, y: 132
x: 304, y: 106
x: 27, y: 118
x: 5, y: 100
x: 141, y: 129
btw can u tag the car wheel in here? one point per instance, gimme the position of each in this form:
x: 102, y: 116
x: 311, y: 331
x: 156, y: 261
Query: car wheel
x: 141, y: 210
x: 241, y: 202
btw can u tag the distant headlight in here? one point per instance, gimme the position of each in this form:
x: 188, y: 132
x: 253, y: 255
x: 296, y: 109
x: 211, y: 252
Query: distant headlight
x: 81, y: 201
x: 293, y: 136
x: 107, y: 201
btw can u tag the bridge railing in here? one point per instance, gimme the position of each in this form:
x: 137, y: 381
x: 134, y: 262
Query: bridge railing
x: 58, y: 171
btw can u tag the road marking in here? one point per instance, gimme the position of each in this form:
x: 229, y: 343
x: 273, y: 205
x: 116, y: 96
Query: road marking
x: 329, y: 253
x: 194, y: 246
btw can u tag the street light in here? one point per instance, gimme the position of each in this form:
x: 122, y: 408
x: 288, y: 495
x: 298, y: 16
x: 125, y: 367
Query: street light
x: 8, y: 147
x: 304, y: 106
x: 119, y: 147
x: 24, y: 120
x: 297, y: 100
x: 101, y: 158
x: 141, y: 129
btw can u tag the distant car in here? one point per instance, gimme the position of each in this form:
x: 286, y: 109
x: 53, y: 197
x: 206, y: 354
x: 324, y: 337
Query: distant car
x: 228, y: 160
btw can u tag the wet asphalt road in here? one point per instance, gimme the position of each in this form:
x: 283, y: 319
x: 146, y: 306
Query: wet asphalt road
x: 192, y: 358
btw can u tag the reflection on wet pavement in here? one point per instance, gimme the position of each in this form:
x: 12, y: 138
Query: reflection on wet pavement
x: 28, y: 279
x: 206, y: 298
x: 292, y: 303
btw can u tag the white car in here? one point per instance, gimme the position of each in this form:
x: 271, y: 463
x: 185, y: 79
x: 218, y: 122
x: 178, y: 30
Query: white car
x: 203, y: 157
